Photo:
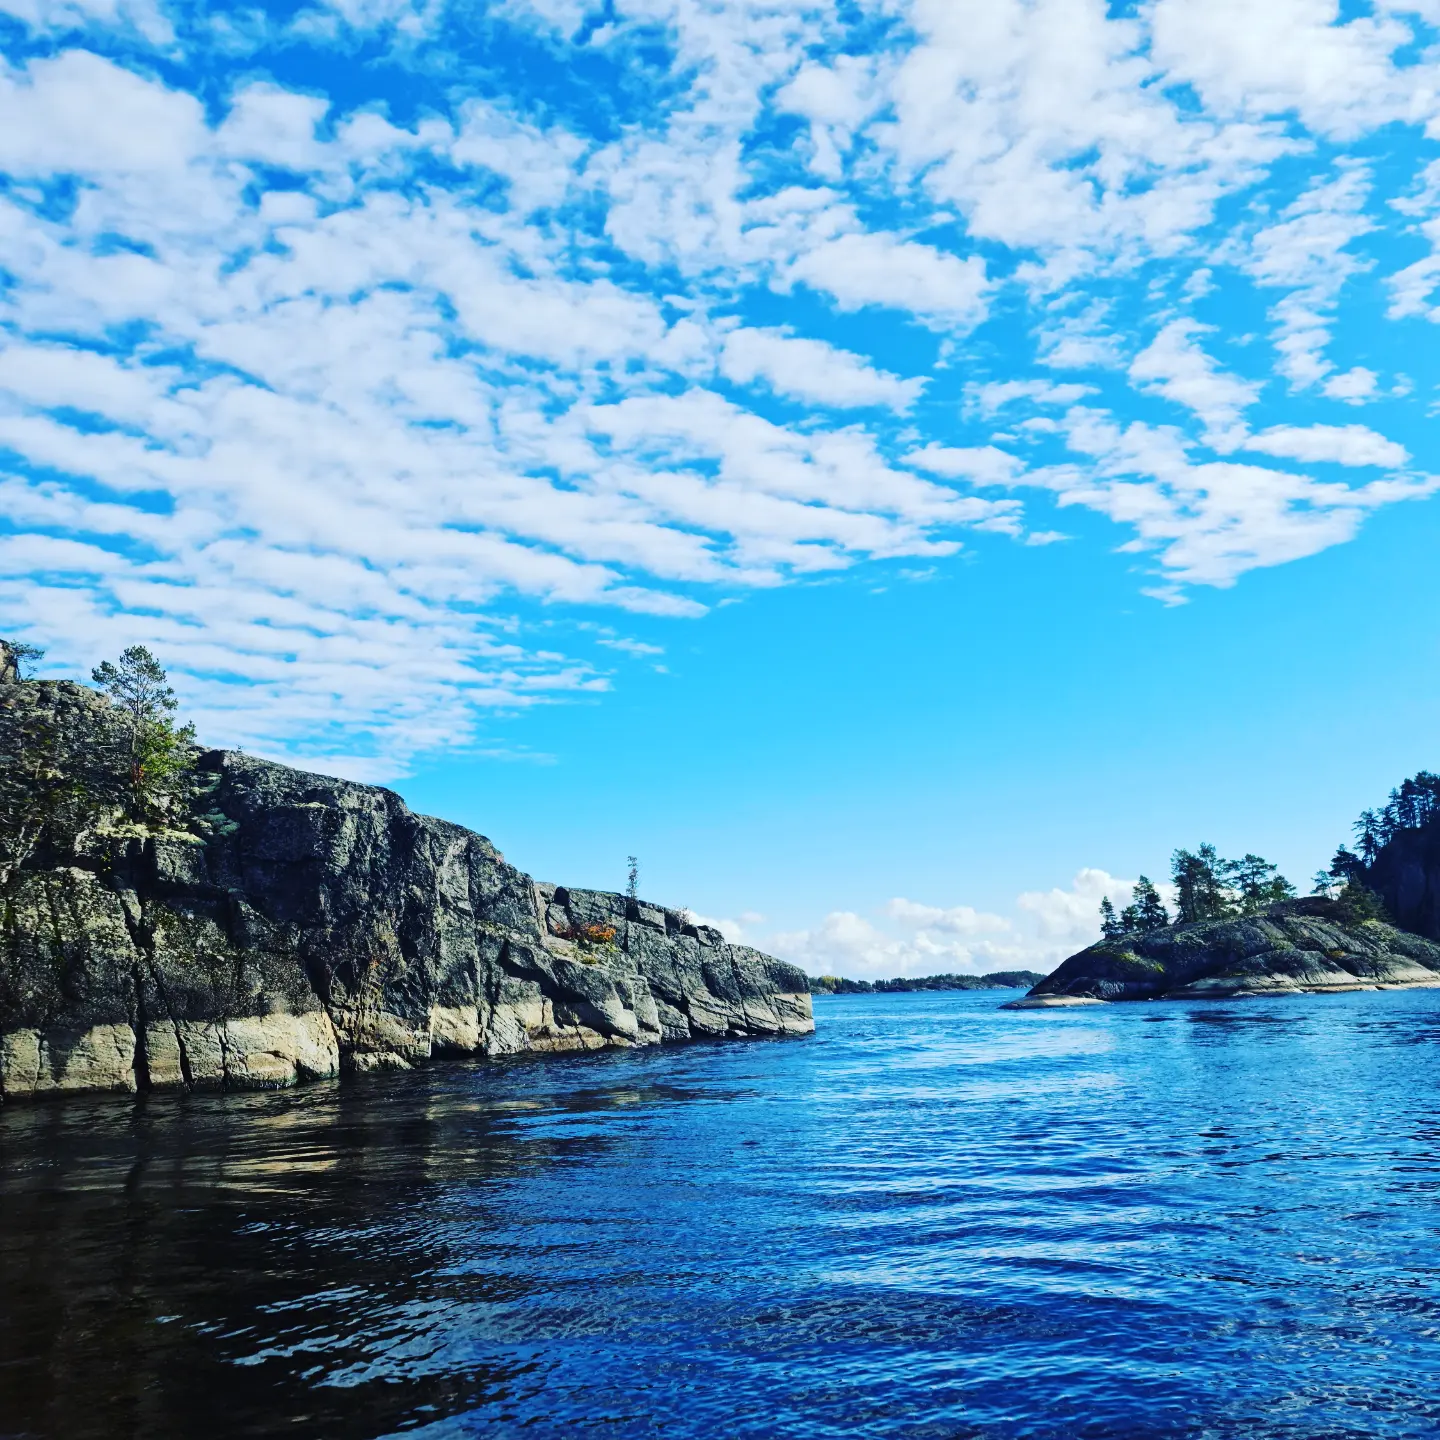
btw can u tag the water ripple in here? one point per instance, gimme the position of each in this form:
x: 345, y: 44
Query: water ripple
x: 1215, y: 1221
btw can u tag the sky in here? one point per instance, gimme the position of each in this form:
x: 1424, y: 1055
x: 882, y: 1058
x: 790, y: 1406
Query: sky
x: 898, y: 468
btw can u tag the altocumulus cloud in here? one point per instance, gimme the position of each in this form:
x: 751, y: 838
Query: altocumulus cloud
x: 324, y: 394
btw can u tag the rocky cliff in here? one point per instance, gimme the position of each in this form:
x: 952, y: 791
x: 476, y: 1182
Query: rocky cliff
x: 332, y: 929
x: 1406, y: 876
x: 1297, y: 945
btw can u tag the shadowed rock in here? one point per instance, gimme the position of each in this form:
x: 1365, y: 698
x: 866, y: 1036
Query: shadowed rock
x: 1406, y: 876
x: 1297, y: 945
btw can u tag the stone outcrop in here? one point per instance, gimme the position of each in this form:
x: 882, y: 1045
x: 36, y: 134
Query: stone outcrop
x: 333, y: 929
x: 1296, y: 945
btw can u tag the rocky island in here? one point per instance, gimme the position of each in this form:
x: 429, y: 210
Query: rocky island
x: 310, y: 926
x: 1373, y: 923
x: 1295, y: 945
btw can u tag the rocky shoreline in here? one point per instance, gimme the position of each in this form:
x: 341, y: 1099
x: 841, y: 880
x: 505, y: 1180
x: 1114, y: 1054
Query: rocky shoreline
x: 330, y: 929
x: 1296, y: 946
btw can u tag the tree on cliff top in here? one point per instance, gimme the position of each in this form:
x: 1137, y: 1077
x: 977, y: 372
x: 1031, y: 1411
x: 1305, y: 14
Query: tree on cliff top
x: 1148, y: 908
x: 17, y: 657
x: 1200, y: 892
x: 160, y: 756
x: 1413, y: 805
x: 1257, y: 883
x: 1209, y: 888
x: 1111, y: 925
x: 1145, y: 912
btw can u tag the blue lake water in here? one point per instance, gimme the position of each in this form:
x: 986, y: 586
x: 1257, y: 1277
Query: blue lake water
x: 932, y: 1219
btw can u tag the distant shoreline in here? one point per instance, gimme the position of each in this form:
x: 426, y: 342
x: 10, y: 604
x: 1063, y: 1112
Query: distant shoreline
x: 906, y: 984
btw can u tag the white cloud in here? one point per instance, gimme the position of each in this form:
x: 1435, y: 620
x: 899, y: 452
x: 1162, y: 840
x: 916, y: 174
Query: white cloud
x: 79, y: 113
x: 984, y: 464
x: 812, y: 370
x: 1260, y: 60
x: 1412, y: 286
x: 879, y: 269
x: 1307, y: 253
x: 1069, y: 919
x: 144, y: 16
x: 992, y: 396
x: 957, y: 920
x: 1207, y: 524
x: 339, y: 419
x: 1339, y: 444
x: 911, y: 938
x: 1355, y: 386
x: 1174, y: 366
x: 539, y: 164
x: 835, y: 98
x: 1044, y: 123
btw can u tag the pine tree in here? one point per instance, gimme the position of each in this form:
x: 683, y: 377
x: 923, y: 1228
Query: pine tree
x: 17, y: 658
x: 1149, y: 908
x: 1369, y: 835
x: 1111, y: 926
x: 1256, y: 883
x: 1345, y: 866
x: 160, y: 758
x: 1200, y: 888
x: 632, y: 879
x: 1359, y: 903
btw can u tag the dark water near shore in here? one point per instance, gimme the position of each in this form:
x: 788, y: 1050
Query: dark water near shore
x: 933, y: 1219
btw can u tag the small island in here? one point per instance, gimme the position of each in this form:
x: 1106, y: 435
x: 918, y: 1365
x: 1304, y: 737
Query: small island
x: 1372, y: 923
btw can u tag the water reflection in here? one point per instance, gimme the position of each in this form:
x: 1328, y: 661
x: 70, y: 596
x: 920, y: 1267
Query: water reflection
x: 265, y: 1261
x: 931, y: 1219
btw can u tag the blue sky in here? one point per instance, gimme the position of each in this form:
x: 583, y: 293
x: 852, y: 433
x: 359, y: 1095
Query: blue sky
x: 899, y: 468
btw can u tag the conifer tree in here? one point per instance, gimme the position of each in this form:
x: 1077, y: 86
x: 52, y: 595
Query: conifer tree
x: 160, y: 756
x: 1256, y: 883
x: 1149, y: 908
x: 1111, y: 926
x: 1345, y: 867
x: 1200, y: 885
x: 19, y: 658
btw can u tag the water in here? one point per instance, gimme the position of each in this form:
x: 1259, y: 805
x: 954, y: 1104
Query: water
x: 933, y: 1219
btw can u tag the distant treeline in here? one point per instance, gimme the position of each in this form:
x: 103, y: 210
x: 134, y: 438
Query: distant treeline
x: 996, y: 980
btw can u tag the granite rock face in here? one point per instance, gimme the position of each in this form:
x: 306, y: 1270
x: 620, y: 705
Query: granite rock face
x: 1297, y: 945
x: 333, y: 929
